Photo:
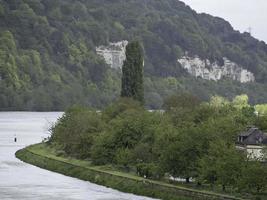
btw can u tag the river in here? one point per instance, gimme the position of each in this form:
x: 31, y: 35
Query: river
x: 21, y: 181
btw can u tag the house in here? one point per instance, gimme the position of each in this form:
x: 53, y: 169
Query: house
x: 253, y: 141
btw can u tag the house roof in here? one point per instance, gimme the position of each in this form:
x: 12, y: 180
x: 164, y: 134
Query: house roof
x: 253, y: 136
x: 249, y: 132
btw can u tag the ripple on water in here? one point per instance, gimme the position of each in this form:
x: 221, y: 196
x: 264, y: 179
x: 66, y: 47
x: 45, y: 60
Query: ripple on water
x: 13, y: 163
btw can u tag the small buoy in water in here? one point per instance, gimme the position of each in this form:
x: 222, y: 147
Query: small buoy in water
x: 15, y: 139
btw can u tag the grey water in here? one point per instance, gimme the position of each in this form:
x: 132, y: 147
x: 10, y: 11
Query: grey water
x: 19, y: 180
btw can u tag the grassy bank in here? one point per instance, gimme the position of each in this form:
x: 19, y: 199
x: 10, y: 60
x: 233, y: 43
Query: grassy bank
x: 45, y: 157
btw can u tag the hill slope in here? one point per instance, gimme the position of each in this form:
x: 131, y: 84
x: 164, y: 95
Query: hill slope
x: 48, y: 59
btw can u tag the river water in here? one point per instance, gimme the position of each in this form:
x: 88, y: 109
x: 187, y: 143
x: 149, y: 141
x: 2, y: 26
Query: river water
x: 21, y: 181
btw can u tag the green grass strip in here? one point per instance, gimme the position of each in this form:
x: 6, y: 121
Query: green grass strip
x: 44, y: 157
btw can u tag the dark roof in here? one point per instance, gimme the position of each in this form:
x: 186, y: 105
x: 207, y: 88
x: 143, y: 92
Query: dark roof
x: 253, y: 136
x: 249, y: 131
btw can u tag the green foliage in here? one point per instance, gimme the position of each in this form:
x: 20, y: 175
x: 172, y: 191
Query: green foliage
x: 241, y: 101
x: 261, y: 122
x: 192, y: 139
x: 48, y: 46
x: 254, y: 177
x: 8, y: 65
x: 222, y: 164
x: 181, y: 101
x: 218, y: 102
x: 76, y: 130
x: 45, y: 157
x: 132, y: 73
x: 149, y: 170
x: 103, y: 149
x: 119, y: 106
x: 123, y: 157
x: 181, y: 108
x: 261, y: 109
x: 180, y: 157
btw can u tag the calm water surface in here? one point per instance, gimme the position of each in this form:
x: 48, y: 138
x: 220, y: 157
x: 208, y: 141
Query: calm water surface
x: 21, y: 181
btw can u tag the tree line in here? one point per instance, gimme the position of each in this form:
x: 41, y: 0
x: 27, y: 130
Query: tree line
x: 192, y: 139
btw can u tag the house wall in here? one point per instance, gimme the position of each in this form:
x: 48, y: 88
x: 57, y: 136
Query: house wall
x: 254, y: 152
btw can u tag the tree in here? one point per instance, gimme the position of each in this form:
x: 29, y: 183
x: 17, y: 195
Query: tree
x: 261, y: 109
x: 76, y: 130
x: 184, y: 100
x: 180, y: 158
x: 254, y: 177
x: 120, y: 106
x: 222, y: 164
x: 217, y: 101
x: 132, y: 72
x: 241, y: 101
x: 181, y: 108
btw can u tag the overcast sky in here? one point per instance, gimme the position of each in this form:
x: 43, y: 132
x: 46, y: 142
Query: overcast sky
x: 242, y: 14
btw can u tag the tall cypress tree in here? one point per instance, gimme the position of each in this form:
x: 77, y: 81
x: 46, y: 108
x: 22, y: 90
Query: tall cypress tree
x: 133, y: 72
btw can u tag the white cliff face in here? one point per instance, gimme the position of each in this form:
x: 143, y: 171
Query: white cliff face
x: 114, y: 53
x: 212, y: 71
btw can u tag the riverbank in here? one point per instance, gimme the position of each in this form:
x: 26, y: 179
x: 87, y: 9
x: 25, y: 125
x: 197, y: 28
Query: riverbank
x: 45, y: 157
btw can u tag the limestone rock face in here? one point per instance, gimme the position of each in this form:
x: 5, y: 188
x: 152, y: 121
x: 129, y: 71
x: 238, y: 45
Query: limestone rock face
x: 114, y: 53
x: 212, y: 71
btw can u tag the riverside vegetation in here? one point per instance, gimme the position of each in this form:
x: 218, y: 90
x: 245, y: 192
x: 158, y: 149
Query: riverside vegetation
x: 192, y: 139
x: 44, y: 156
x: 49, y: 45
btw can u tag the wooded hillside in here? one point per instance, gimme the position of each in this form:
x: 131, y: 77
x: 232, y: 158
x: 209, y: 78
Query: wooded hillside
x: 48, y: 59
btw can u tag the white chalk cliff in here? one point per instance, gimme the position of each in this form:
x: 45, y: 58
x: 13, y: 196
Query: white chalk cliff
x: 114, y: 53
x: 212, y: 71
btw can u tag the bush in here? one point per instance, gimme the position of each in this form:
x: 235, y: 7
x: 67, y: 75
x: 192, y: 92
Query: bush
x: 149, y: 170
x: 118, y: 107
x: 103, y: 149
x: 76, y: 129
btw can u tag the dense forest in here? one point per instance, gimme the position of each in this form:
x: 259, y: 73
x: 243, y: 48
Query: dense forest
x: 192, y: 139
x: 48, y: 59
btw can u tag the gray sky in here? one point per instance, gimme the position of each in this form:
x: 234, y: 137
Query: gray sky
x: 242, y: 14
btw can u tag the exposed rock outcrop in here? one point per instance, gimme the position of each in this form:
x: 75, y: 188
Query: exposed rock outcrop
x: 213, y: 71
x: 114, y: 53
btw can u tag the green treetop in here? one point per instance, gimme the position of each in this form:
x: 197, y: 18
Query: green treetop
x: 132, y: 72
